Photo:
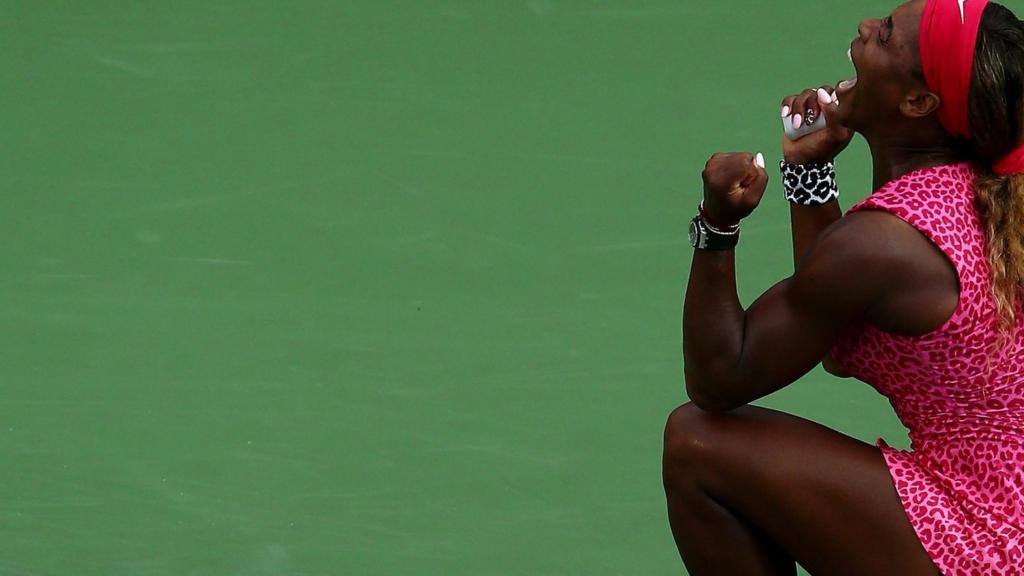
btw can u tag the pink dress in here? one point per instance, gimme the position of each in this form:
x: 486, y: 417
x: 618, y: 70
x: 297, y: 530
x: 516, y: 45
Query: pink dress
x: 959, y: 391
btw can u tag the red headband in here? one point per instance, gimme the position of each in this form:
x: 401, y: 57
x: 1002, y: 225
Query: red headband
x: 948, y: 36
x: 1012, y: 163
x: 949, y: 33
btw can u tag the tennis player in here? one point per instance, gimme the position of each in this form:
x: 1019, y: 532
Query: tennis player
x: 915, y: 290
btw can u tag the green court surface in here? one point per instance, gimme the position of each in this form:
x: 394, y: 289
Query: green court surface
x: 374, y: 287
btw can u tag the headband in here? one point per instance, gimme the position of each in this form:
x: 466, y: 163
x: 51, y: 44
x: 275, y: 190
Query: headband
x: 948, y: 36
x: 1012, y: 163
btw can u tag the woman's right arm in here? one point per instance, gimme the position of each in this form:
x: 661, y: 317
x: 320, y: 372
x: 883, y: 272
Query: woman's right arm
x: 808, y: 222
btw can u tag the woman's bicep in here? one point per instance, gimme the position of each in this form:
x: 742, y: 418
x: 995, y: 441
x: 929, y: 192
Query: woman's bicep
x: 792, y: 327
x: 784, y: 339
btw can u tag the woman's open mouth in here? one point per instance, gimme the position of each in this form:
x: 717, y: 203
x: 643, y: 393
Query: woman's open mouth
x: 847, y: 85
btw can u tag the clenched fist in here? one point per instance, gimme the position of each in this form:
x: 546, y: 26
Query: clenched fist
x: 733, y: 186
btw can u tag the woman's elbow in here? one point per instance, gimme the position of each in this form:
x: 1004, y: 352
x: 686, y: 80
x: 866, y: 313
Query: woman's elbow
x: 709, y: 401
x: 832, y: 367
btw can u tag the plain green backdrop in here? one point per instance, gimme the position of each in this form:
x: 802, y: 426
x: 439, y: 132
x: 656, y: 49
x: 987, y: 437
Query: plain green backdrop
x: 374, y: 287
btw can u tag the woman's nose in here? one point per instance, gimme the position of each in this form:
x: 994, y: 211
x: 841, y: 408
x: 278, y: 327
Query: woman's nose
x: 864, y: 29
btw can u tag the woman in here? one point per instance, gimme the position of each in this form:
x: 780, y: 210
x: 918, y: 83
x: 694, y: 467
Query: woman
x: 916, y: 290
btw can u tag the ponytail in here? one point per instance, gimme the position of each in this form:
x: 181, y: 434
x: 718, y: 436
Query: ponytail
x: 996, y: 113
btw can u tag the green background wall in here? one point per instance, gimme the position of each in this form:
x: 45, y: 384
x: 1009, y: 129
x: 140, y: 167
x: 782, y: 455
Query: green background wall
x: 373, y: 287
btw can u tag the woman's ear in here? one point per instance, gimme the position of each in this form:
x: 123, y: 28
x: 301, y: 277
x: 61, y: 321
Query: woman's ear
x: 920, y: 103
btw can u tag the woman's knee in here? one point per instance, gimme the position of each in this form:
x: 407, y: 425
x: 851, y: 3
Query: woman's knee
x: 687, y: 435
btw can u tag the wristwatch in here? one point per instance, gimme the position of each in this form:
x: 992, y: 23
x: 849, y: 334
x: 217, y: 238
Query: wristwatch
x: 704, y: 237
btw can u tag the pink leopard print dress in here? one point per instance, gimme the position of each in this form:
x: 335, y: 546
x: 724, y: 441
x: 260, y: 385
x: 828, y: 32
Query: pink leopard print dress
x: 958, y: 390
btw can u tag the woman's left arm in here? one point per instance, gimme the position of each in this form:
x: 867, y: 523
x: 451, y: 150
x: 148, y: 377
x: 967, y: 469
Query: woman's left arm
x: 733, y: 356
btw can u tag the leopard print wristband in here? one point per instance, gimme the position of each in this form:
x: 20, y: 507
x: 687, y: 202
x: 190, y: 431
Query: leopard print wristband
x: 809, y: 184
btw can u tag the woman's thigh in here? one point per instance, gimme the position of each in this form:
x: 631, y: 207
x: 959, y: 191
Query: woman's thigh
x: 827, y: 499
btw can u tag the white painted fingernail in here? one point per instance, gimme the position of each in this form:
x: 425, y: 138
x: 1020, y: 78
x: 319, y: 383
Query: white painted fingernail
x: 798, y: 121
x: 785, y: 111
x: 824, y: 97
x: 759, y: 160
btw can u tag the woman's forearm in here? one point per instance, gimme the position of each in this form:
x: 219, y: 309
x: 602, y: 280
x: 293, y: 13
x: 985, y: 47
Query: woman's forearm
x: 712, y: 328
x: 713, y: 319
x: 808, y: 222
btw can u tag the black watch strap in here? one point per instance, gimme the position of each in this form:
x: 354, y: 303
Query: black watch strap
x: 703, y: 237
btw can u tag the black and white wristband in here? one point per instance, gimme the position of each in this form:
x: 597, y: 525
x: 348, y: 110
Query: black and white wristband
x: 809, y: 184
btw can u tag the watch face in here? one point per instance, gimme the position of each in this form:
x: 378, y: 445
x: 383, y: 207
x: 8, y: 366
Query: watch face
x: 694, y: 233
